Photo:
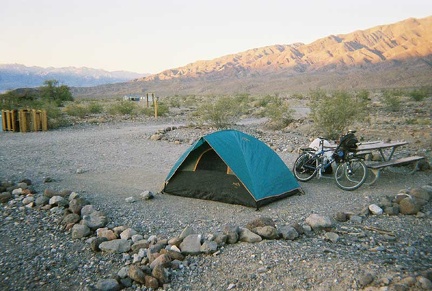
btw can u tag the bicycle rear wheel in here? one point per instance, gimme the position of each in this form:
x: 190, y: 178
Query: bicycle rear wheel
x: 350, y: 175
x: 305, y: 167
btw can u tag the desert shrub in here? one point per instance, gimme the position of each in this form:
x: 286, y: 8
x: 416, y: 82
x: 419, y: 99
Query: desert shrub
x: 220, y: 113
x: 95, y: 108
x: 55, y: 115
x: 77, y: 110
x: 391, y: 101
x: 363, y: 95
x: 418, y: 94
x: 278, y: 113
x: 334, y: 114
x: 298, y: 96
x: 123, y: 108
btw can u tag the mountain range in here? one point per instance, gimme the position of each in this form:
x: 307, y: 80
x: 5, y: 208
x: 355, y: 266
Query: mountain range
x: 14, y: 76
x: 397, y: 55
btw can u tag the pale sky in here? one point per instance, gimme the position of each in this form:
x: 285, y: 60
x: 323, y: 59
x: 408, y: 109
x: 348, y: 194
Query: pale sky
x: 150, y: 36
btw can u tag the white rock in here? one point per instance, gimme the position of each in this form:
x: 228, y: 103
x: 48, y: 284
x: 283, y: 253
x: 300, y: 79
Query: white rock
x: 375, y: 209
x: 130, y: 200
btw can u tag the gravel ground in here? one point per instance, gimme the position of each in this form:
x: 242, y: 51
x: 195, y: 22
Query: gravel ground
x: 109, y: 162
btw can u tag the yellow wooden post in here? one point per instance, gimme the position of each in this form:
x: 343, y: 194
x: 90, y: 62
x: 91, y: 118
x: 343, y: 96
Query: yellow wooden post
x: 155, y: 107
x: 44, y: 120
x: 8, y: 120
x: 13, y: 120
x: 34, y: 120
x: 22, y: 121
x: 4, y: 120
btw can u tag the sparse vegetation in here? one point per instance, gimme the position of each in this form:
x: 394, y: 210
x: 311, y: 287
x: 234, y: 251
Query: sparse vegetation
x: 391, y: 100
x: 419, y: 94
x: 334, y: 113
x: 278, y: 112
x: 220, y: 113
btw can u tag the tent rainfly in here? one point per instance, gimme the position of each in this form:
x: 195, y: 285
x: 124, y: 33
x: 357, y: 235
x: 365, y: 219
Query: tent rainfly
x: 232, y: 167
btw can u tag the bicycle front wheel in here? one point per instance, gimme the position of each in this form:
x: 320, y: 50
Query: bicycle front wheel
x: 305, y: 167
x: 350, y: 175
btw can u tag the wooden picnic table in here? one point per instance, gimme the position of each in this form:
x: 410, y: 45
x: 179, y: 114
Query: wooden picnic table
x: 387, y: 157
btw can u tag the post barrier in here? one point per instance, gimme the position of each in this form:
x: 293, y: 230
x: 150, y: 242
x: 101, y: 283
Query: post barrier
x: 24, y: 120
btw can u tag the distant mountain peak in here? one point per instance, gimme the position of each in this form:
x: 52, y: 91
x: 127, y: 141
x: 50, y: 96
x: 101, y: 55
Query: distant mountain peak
x: 411, y: 38
x: 14, y: 76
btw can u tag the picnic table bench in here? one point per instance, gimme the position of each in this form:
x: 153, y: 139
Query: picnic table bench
x: 387, y: 160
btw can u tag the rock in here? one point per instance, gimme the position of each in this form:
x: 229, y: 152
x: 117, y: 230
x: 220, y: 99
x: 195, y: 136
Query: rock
x: 151, y: 282
x: 136, y: 237
x: 392, y: 210
x: 267, y: 232
x: 94, y: 245
x: 331, y: 236
x: 115, y: 246
x: 58, y: 200
x: 127, y: 233
x: 385, y: 202
x: 365, y: 279
x: 161, y: 274
x: 163, y: 260
x: 71, y: 218
x: 288, y: 232
x: 50, y: 193
x: 356, y: 219
x: 28, y: 200
x: 87, y: 209
x: 80, y: 231
x: 421, y: 195
x: 141, y: 244
x: 191, y: 245
x: 5, y: 197
x: 260, y: 222
x: 317, y: 221
x: 220, y: 238
x: 136, y: 274
x: 174, y: 255
x: 108, y: 285
x: 409, y: 206
x: 124, y: 272
x: 408, y: 281
x: 156, y: 137
x: 41, y: 200
x: 152, y: 239
x: 188, y: 230
x: 75, y: 205
x: 147, y: 195
x: 341, y: 217
x: 106, y: 233
x: 95, y: 220
x: 65, y: 193
x: 73, y: 195
x: 209, y: 247
x: 299, y: 228
x: 245, y: 235
x: 424, y: 283
x: 232, y: 233
x: 400, y: 196
x: 17, y: 192
x: 375, y: 209
x: 130, y: 199
x: 175, y: 241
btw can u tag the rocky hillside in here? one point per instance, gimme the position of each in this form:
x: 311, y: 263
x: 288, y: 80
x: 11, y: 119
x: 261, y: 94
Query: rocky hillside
x: 386, y: 56
x: 14, y: 76
x: 399, y: 42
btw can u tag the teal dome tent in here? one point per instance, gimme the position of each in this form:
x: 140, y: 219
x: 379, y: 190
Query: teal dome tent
x: 232, y: 167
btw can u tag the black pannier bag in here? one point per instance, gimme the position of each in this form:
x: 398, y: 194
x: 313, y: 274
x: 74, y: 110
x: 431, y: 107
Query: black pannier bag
x: 347, y: 143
